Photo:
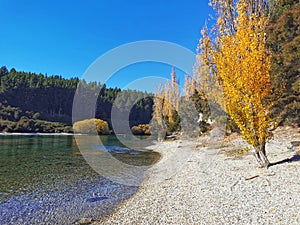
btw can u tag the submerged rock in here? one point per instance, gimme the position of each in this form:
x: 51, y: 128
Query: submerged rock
x: 95, y: 199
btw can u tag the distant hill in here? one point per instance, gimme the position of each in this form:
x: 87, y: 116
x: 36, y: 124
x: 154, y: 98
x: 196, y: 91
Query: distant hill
x: 25, y: 95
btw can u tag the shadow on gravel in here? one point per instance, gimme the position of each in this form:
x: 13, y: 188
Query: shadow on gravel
x: 295, y: 158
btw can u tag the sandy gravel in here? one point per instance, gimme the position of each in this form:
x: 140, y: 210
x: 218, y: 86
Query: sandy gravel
x: 217, y: 186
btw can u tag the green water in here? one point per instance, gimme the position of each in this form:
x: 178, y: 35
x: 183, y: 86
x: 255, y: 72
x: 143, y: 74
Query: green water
x: 28, y: 162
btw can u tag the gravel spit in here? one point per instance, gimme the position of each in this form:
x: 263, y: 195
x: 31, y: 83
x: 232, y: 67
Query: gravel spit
x: 217, y: 186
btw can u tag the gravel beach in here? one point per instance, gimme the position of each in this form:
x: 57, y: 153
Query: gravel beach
x: 218, y: 185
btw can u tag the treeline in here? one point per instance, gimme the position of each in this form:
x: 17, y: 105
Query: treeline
x: 211, y: 78
x: 39, y: 97
x: 13, y: 119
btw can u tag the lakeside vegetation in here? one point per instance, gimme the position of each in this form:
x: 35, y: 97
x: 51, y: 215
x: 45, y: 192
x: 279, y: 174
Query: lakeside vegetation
x: 237, y: 75
x: 141, y: 129
x: 91, y: 126
x: 32, y: 102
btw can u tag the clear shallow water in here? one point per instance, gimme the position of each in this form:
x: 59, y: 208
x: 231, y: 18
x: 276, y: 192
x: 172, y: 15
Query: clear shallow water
x: 44, y: 179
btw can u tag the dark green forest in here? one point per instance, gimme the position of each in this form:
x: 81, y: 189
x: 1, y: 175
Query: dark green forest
x: 32, y: 102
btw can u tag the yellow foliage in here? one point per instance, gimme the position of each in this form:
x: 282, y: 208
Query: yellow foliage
x: 158, y: 106
x: 141, y: 129
x: 91, y: 126
x: 237, y: 61
x: 166, y: 100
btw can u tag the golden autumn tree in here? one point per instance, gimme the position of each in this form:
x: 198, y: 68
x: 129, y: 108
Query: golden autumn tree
x: 205, y: 78
x: 157, y: 123
x: 174, y: 89
x: 236, y: 57
x: 166, y: 105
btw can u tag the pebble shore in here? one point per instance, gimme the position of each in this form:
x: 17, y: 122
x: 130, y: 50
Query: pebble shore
x: 215, y: 187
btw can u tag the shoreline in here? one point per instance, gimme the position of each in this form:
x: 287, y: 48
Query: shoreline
x: 28, y: 134
x: 63, y: 191
x: 229, y: 189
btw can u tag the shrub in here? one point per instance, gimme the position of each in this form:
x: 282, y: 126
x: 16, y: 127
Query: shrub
x: 25, y: 125
x: 90, y: 126
x: 141, y: 129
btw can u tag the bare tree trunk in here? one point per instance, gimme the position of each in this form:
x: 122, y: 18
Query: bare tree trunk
x: 261, y: 157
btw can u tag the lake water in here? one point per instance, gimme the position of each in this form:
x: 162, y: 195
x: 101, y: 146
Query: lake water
x: 44, y: 179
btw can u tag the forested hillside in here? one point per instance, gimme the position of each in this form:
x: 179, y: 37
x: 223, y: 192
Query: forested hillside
x: 25, y: 95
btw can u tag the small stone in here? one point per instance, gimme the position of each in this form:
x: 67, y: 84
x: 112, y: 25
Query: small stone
x: 84, y: 221
x: 295, y: 143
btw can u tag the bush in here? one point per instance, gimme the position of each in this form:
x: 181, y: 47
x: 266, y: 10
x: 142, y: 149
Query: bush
x: 141, y: 129
x: 90, y: 126
x: 7, y: 126
x: 25, y: 125
x: 31, y: 126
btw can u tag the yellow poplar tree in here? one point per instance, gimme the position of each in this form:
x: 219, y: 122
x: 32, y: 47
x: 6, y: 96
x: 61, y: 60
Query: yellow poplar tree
x: 157, y: 123
x: 171, y: 97
x: 168, y: 106
x: 237, y: 57
x: 166, y: 101
x: 175, y: 90
x: 158, y: 105
x: 194, y: 85
x: 205, y: 75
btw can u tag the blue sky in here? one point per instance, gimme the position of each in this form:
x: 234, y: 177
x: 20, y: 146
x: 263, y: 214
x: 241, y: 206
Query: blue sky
x: 63, y: 37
